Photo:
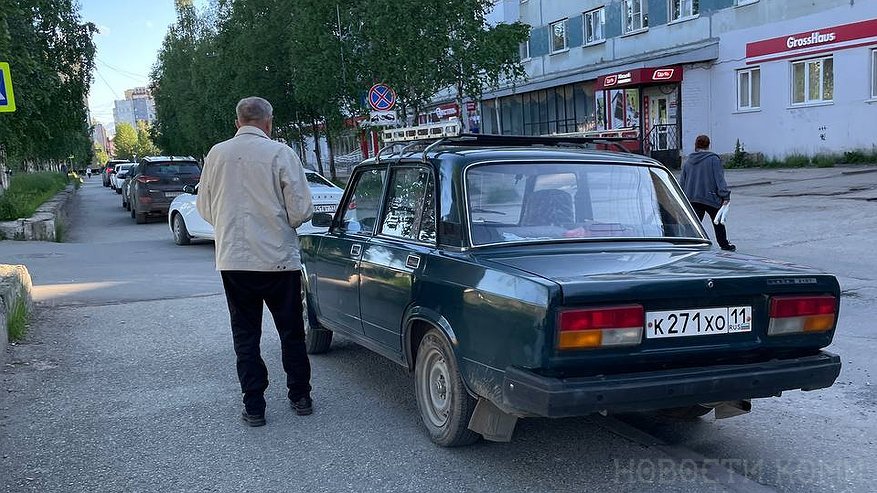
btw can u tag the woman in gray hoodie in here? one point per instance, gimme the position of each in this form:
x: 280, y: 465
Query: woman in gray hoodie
x: 703, y: 181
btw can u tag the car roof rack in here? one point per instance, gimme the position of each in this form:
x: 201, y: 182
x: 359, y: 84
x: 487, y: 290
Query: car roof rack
x: 449, y: 134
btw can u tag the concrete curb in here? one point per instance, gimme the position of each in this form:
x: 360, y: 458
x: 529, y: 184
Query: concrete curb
x: 15, y: 288
x: 44, y: 222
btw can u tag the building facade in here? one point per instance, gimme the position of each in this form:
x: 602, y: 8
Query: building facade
x: 99, y: 135
x: 780, y: 76
x: 138, y: 105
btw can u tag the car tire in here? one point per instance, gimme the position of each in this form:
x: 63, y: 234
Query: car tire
x: 118, y: 190
x: 444, y: 403
x: 318, y: 339
x: 181, y: 233
x: 139, y: 217
x: 124, y: 203
x: 133, y: 212
x: 687, y: 413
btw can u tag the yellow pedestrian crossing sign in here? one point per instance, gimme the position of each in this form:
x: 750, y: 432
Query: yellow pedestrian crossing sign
x: 7, y: 98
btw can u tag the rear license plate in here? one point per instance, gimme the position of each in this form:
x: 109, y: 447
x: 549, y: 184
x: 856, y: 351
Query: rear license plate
x: 698, y: 322
x: 324, y: 208
x: 172, y: 194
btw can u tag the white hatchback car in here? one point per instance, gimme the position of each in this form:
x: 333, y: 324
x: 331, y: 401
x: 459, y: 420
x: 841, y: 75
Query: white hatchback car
x: 118, y: 177
x: 186, y: 223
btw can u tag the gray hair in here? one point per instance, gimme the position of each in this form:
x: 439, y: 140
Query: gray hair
x: 254, y: 109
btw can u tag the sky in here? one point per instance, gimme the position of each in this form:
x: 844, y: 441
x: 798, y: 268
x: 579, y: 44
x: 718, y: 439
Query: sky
x: 131, y: 35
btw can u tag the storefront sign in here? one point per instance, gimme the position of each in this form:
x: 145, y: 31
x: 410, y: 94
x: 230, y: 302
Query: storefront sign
x: 640, y: 76
x: 815, y: 41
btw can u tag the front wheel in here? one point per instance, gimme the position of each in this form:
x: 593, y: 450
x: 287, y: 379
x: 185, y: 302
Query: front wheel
x: 317, y: 338
x: 445, y: 405
x: 181, y: 233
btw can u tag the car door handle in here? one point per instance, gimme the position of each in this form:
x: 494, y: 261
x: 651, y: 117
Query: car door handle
x: 355, y: 250
x: 412, y: 262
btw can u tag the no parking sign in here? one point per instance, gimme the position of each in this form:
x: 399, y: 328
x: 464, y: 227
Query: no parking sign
x: 381, y: 97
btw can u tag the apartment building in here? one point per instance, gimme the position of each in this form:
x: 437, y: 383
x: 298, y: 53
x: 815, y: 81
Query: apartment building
x: 780, y: 76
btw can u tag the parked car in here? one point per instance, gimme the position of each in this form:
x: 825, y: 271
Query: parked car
x: 109, y: 169
x: 118, y: 177
x: 187, y: 224
x: 518, y: 279
x: 157, y: 181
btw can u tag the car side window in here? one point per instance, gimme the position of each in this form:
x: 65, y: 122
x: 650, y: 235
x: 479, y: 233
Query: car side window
x: 405, y: 205
x: 361, y: 208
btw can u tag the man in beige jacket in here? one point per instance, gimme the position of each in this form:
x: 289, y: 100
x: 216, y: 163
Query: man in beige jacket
x: 254, y: 192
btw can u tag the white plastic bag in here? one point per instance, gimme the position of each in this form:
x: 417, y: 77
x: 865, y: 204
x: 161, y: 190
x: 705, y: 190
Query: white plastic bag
x: 722, y: 214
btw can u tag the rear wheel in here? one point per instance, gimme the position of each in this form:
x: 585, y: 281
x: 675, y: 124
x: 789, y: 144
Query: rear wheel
x: 181, y: 234
x: 445, y: 405
x: 317, y: 338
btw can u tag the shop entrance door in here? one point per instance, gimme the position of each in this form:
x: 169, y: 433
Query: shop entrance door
x: 660, y: 122
x: 663, y: 134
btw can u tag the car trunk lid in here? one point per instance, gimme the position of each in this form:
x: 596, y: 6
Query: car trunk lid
x: 691, y: 284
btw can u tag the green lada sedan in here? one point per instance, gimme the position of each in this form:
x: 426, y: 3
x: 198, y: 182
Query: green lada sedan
x: 520, y: 277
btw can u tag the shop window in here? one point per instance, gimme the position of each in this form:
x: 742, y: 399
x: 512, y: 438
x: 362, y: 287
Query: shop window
x: 595, y: 21
x: 874, y: 74
x: 558, y: 36
x: 681, y: 9
x: 813, y: 81
x: 634, y: 15
x: 749, y: 89
x: 624, y: 111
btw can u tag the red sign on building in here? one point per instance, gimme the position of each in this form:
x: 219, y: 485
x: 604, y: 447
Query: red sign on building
x: 640, y: 76
x: 815, y: 41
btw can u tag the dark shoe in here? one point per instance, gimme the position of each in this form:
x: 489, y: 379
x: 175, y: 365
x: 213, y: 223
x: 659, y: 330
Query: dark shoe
x: 729, y: 247
x: 253, y: 419
x: 303, y: 406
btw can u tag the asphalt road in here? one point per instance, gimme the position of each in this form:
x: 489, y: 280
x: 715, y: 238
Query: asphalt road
x: 126, y: 381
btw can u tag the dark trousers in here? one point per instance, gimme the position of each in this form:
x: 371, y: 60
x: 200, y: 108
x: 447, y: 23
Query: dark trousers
x: 245, y: 292
x: 721, y: 232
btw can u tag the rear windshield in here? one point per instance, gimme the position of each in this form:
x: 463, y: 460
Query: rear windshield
x: 315, y: 179
x: 172, y: 168
x: 568, y: 201
x: 125, y: 167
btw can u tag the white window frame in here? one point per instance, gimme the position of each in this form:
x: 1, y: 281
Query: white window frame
x: 874, y: 74
x: 525, y: 50
x: 565, y: 23
x: 806, y: 62
x: 747, y: 73
x: 692, y: 7
x: 643, y: 16
x: 600, y: 15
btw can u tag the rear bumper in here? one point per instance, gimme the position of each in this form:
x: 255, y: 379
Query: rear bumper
x: 527, y: 393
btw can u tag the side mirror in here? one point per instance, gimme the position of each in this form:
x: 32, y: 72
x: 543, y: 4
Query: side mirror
x: 190, y: 189
x: 321, y: 220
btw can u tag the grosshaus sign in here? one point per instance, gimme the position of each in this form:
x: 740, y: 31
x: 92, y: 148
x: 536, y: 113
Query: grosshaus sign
x: 7, y: 97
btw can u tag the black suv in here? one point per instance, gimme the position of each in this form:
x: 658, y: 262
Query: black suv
x: 156, y: 181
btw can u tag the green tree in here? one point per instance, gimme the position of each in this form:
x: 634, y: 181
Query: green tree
x: 145, y: 146
x: 51, y: 56
x: 100, y: 156
x: 125, y: 142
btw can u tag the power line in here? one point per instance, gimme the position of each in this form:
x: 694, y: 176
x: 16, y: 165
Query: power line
x: 123, y: 74
x: 121, y: 70
x: 113, y: 91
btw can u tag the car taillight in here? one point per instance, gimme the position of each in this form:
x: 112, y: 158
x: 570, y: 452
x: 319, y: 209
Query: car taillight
x: 798, y: 314
x: 600, y: 327
x: 147, y: 179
